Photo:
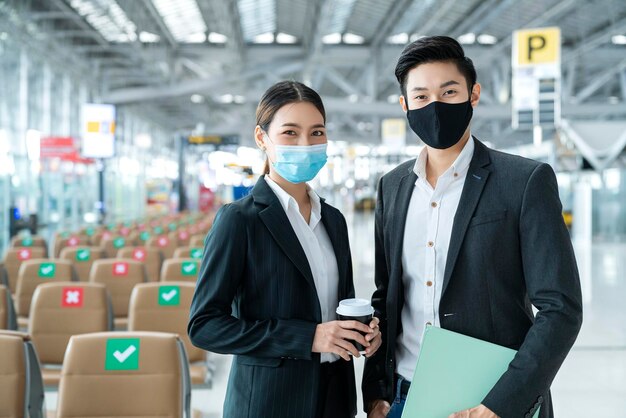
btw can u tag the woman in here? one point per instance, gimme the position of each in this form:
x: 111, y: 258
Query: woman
x: 276, y: 263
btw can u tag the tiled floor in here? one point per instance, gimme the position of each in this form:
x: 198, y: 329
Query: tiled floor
x: 592, y: 381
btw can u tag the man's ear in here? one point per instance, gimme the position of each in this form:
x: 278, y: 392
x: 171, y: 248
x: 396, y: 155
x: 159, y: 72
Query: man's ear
x: 403, y: 103
x: 475, y: 96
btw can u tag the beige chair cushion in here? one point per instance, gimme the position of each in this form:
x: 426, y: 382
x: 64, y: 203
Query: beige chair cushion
x: 108, y: 375
x: 60, y: 310
x: 31, y: 241
x: 189, y: 252
x: 14, y: 259
x: 180, y: 270
x: 71, y: 241
x: 12, y: 375
x: 164, y: 307
x: 82, y: 258
x: 197, y: 240
x: 7, y: 312
x: 164, y: 244
x: 150, y: 257
x: 35, y: 272
x: 119, y: 275
x: 181, y: 237
x: 112, y: 245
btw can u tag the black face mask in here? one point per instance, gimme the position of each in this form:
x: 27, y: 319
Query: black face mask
x: 440, y: 125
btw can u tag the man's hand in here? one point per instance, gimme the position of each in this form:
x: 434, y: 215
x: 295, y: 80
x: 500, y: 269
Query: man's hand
x: 379, y: 409
x: 374, y: 338
x: 481, y: 411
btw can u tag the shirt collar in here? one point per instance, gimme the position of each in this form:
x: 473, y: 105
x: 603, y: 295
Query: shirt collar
x: 459, y: 165
x: 286, y: 199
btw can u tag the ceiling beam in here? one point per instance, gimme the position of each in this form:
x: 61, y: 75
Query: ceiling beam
x: 599, y: 80
x: 165, y: 32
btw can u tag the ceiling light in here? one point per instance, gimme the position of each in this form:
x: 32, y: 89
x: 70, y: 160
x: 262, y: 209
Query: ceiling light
x: 399, y: 39
x: 333, y: 38
x: 148, y: 38
x: 239, y: 99
x: 196, y: 98
x: 227, y: 98
x: 353, y: 98
x: 351, y: 38
x: 264, y: 38
x: 285, y: 38
x: 143, y: 140
x: 486, y: 39
x: 619, y: 39
x: 196, y: 38
x: 467, y: 39
x: 414, y: 37
x: 217, y: 38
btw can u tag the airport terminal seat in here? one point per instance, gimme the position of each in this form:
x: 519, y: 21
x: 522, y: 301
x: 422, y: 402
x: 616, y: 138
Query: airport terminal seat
x: 124, y: 374
x: 180, y: 270
x: 197, y: 240
x: 164, y: 244
x: 150, y: 257
x: 116, y: 242
x: 119, y: 275
x: 164, y: 307
x: 71, y: 241
x: 29, y: 241
x: 189, y: 252
x: 15, y: 257
x: 82, y: 258
x: 60, y: 310
x: 21, y: 386
x: 8, y: 317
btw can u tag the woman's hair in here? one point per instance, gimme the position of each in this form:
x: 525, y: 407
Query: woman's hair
x: 281, y: 94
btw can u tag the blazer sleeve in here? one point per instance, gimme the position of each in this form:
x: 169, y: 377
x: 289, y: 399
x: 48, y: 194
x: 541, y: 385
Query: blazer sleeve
x: 553, y: 287
x: 212, y: 326
x: 374, y: 385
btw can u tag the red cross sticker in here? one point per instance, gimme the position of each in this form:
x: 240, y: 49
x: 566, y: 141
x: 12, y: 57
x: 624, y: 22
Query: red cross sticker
x: 24, y: 254
x: 183, y: 235
x: 124, y: 231
x: 163, y: 241
x: 106, y: 235
x: 72, y: 297
x: 120, y: 269
x: 139, y: 254
x: 72, y: 242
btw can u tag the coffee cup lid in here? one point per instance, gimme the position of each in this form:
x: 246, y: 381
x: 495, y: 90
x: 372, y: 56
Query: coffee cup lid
x: 355, y: 307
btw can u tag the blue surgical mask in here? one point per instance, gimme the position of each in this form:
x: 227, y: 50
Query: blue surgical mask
x: 299, y: 163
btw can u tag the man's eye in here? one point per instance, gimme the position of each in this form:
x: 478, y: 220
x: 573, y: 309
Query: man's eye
x: 449, y: 92
x: 420, y: 97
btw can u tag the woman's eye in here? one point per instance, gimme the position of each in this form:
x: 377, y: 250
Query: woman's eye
x: 289, y: 133
x: 318, y: 133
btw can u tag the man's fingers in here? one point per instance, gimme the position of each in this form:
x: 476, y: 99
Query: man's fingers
x: 373, y: 334
x: 354, y: 336
x: 375, y: 322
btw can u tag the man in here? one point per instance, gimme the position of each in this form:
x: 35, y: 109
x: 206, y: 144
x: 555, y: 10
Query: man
x: 468, y: 239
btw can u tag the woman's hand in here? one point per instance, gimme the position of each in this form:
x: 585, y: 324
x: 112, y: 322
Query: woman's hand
x: 333, y: 336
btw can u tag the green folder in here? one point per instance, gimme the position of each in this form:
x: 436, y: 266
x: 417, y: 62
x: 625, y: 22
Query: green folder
x: 454, y: 372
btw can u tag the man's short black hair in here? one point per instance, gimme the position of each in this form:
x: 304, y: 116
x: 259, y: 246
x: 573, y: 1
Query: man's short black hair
x: 434, y: 49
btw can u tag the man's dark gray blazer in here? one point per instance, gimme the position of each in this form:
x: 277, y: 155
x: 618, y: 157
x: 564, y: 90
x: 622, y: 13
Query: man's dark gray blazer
x: 256, y: 298
x: 509, y: 249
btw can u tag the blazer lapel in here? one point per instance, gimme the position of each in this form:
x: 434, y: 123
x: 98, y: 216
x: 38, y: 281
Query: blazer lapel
x: 275, y: 218
x: 333, y: 228
x: 475, y: 182
x: 400, y: 211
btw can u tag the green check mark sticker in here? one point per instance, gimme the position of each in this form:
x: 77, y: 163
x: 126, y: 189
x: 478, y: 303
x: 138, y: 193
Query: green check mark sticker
x: 83, y: 255
x: 144, y: 236
x: 47, y: 270
x: 122, y: 354
x: 189, y: 268
x: 196, y: 253
x: 27, y: 242
x: 119, y: 242
x: 169, y: 295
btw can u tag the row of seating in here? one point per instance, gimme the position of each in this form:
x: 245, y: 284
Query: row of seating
x: 118, y: 275
x: 106, y: 374
x: 61, y: 310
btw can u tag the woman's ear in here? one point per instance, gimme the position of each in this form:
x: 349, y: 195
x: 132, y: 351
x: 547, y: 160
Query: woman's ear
x: 259, y: 138
x: 475, y: 96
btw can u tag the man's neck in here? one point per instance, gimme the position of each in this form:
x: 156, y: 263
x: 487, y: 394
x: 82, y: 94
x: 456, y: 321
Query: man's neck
x: 438, y: 161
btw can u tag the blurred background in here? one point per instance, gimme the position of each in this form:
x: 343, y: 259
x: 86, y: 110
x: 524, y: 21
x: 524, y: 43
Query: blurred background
x: 118, y: 112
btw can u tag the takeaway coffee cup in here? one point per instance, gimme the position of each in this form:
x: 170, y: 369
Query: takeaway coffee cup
x: 358, y: 310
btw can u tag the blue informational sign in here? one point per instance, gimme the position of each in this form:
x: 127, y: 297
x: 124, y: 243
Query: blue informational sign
x: 241, y: 191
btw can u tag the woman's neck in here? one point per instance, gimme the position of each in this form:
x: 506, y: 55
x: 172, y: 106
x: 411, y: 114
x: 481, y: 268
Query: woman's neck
x: 296, y: 190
